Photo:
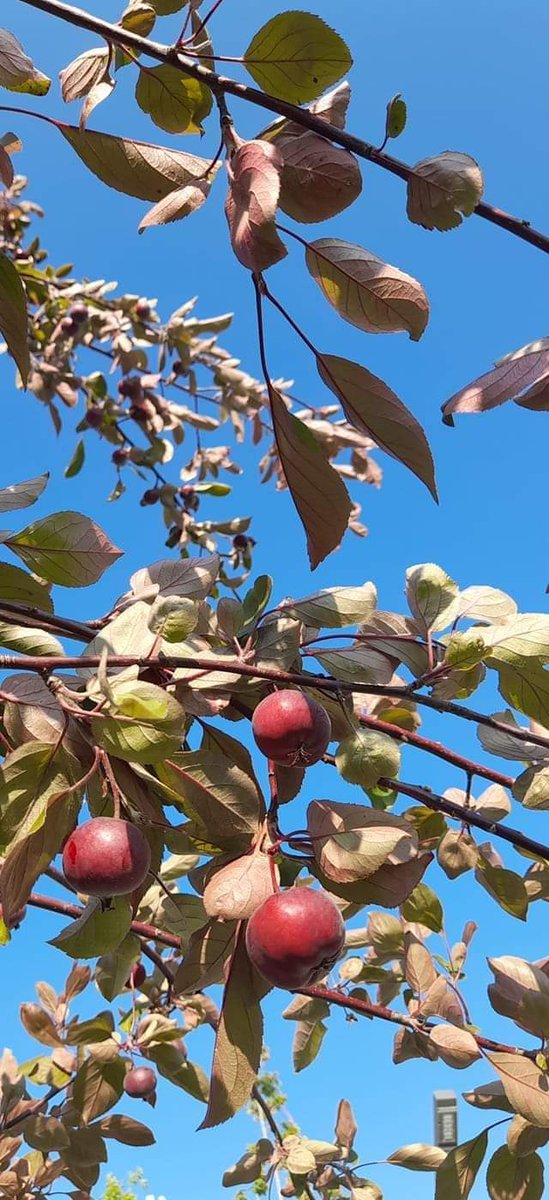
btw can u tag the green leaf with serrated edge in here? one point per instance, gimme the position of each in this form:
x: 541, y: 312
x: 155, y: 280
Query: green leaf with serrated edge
x: 77, y: 460
x: 239, y: 1039
x: 136, y: 168
x: 97, y: 1087
x: 464, y: 649
x: 519, y: 1178
x: 98, y: 931
x: 368, y: 293
x: 333, y: 607
x: 22, y: 495
x: 506, y: 887
x: 432, y: 596
x: 458, y: 1172
x: 395, y: 121
x: 143, y: 723
x: 424, y: 907
x: 219, y: 798
x: 96, y: 1029
x: 525, y: 685
x: 296, y: 56
x: 113, y: 969
x: 175, y: 102
x: 32, y: 777
x: 373, y: 408
x: 173, y: 618
x: 18, y: 585
x: 444, y: 189
x: 65, y: 548
x: 13, y: 316
x: 317, y: 490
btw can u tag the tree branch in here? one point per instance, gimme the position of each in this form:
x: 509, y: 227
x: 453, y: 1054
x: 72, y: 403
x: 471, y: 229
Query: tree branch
x: 366, y: 1009
x: 114, y: 34
x: 437, y: 749
x: 38, y: 663
x: 65, y: 909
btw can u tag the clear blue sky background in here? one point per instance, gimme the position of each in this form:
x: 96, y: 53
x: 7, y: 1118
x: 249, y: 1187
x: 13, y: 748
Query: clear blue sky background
x: 475, y: 80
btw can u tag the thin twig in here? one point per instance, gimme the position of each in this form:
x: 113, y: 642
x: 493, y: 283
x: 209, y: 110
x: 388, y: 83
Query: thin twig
x: 301, y: 116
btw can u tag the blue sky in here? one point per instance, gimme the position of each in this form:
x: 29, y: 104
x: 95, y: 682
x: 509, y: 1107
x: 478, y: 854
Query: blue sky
x: 474, y: 84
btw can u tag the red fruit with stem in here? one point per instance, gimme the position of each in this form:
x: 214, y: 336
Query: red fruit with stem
x: 78, y: 313
x: 137, y: 976
x: 291, y: 729
x: 143, y: 309
x: 140, y: 1082
x: 295, y: 937
x: 121, y: 456
x: 106, y: 857
x: 131, y: 387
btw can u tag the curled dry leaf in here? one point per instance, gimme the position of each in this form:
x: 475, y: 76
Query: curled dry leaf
x: 254, y: 175
x: 444, y: 189
x: 235, y: 891
x: 79, y: 77
x: 367, y: 292
x: 318, y: 179
x: 176, y: 205
x: 520, y: 378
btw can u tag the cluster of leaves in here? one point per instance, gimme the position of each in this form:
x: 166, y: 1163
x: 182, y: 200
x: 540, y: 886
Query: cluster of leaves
x: 127, y: 725
x: 287, y: 167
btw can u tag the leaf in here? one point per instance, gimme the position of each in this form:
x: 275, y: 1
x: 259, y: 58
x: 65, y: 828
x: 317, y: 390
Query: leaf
x: 373, y: 408
x: 433, y: 597
x: 395, y: 121
x: 77, y: 460
x: 239, y: 1040
x: 254, y: 187
x: 191, y: 577
x: 65, y: 548
x: 175, y: 102
x: 419, y: 968
x: 296, y: 56
x: 508, y: 380
x: 26, y: 860
x: 99, y: 92
x: 486, y: 604
x: 143, y: 723
x: 17, y: 72
x: 531, y: 788
x: 176, y: 205
x: 318, y: 180
x: 525, y: 685
x: 16, y: 584
x: 97, y: 1029
x: 457, y: 1174
x: 511, y: 1178
x: 97, y: 1087
x: 360, y: 664
x: 13, y: 316
x: 307, y: 1043
x: 220, y: 799
x: 249, y: 1166
x: 334, y: 607
x: 80, y: 76
x: 29, y: 641
x: 526, y: 1086
x: 173, y: 617
x: 456, y: 1047
x: 506, y: 888
x: 351, y: 842
x: 320, y: 496
x: 523, y: 1138
x: 365, y: 291
x: 38, y: 1024
x: 444, y: 189
x: 235, y: 891
x: 366, y: 756
x: 21, y: 495
x: 138, y: 169
x: 488, y: 1096
x: 418, y: 1156
x: 125, y: 1130
x: 207, y: 955
x: 97, y: 931
x: 502, y: 743
x: 112, y: 970
x: 46, y: 1133
x: 424, y: 907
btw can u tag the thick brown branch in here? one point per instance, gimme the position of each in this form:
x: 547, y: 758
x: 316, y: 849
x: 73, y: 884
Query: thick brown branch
x: 366, y: 1009
x: 35, y: 618
x: 438, y: 750
x: 221, y: 84
x: 27, y: 662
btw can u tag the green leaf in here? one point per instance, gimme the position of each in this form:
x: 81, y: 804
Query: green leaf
x: 97, y: 1087
x: 367, y: 756
x: 22, y: 495
x: 96, y: 1029
x: 367, y: 292
x: 334, y: 607
x: 308, y: 1039
x: 97, y: 931
x: 65, y: 548
x: 143, y: 723
x: 17, y: 72
x: 296, y: 56
x: 13, y: 316
x: 519, y: 1178
x: 433, y: 597
x: 371, y: 407
x: 506, y: 887
x: 531, y: 788
x: 525, y: 685
x: 31, y: 778
x: 220, y: 798
x: 458, y: 1172
x: 26, y: 860
x: 173, y: 618
x: 424, y: 907
x: 174, y: 101
x: 77, y: 461
x: 29, y: 641
x: 319, y: 494
x: 136, y: 168
x: 256, y: 600
x: 113, y: 969
x: 395, y: 121
x: 239, y: 1040
x: 207, y: 954
x: 18, y: 585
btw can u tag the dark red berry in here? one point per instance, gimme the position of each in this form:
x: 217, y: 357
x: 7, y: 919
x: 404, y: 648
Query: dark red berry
x: 140, y: 1082
x: 120, y: 457
x: 106, y: 857
x: 78, y: 313
x: 137, y: 976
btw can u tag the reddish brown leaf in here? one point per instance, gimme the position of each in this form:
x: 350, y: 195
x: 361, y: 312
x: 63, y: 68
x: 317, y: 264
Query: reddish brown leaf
x: 318, y: 179
x: 254, y: 174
